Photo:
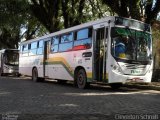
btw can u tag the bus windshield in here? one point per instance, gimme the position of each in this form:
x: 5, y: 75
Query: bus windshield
x: 130, y: 44
x: 11, y: 57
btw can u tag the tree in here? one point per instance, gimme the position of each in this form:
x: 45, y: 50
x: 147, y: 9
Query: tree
x: 32, y: 28
x: 16, y: 17
x: 72, y: 11
x: 156, y: 49
x: 47, y: 12
x: 11, y: 18
x: 58, y: 14
x: 145, y: 10
x: 151, y: 10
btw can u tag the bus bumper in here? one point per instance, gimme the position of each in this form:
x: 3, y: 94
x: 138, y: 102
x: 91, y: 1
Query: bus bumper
x: 11, y: 71
x: 115, y: 77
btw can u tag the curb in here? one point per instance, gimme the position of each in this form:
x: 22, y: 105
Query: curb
x: 144, y: 87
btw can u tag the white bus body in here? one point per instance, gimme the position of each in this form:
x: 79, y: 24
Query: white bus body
x: 9, y: 59
x: 87, y: 53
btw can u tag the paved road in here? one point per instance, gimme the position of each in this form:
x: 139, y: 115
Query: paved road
x: 22, y: 99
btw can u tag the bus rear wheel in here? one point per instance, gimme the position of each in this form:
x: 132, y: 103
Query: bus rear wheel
x: 1, y: 74
x: 35, y: 75
x: 81, y: 79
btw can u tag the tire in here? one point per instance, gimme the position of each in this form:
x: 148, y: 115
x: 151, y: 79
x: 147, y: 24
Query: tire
x: 35, y: 75
x: 16, y: 74
x: 81, y: 79
x: 19, y: 75
x: 116, y: 85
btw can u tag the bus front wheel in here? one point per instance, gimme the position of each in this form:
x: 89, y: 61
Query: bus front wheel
x: 81, y: 79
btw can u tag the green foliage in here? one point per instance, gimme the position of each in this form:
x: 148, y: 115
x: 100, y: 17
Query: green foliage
x: 136, y: 9
x: 47, y: 12
x: 156, y: 43
x: 16, y: 16
x: 58, y: 14
x: 26, y: 19
x: 12, y: 16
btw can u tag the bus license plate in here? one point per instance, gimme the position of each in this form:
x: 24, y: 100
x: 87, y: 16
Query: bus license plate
x: 135, y: 80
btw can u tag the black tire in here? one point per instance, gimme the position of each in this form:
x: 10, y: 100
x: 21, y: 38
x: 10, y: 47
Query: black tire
x: 16, y: 74
x: 19, y: 75
x: 35, y: 75
x: 81, y: 79
x: 116, y: 85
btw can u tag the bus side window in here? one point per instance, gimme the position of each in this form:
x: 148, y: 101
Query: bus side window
x: 67, y: 37
x: 33, y: 48
x: 54, y: 44
x: 40, y: 47
x: 66, y: 43
x: 25, y: 47
x: 83, y: 39
x: 84, y: 33
x: 25, y: 50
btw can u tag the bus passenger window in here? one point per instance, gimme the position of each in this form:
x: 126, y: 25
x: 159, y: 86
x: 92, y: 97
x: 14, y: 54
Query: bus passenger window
x: 25, y: 50
x: 82, y: 34
x: 54, y: 44
x: 25, y: 47
x: 39, y: 51
x: 65, y: 46
x: 40, y: 47
x: 67, y: 37
x: 33, y: 48
x: 82, y: 44
x: 83, y: 39
x: 40, y: 44
x: 66, y: 42
x: 33, y: 45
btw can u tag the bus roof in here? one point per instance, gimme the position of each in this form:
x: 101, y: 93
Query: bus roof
x: 84, y: 25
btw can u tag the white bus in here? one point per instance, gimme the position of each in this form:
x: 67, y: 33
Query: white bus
x: 88, y: 53
x: 9, y: 61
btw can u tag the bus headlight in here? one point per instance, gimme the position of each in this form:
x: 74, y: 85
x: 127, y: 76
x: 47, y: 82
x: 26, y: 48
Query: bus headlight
x: 116, y: 68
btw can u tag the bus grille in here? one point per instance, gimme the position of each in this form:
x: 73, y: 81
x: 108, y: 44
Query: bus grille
x: 133, y: 66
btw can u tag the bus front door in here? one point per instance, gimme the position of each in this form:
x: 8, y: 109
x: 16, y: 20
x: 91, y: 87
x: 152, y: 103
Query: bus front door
x: 100, y: 54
